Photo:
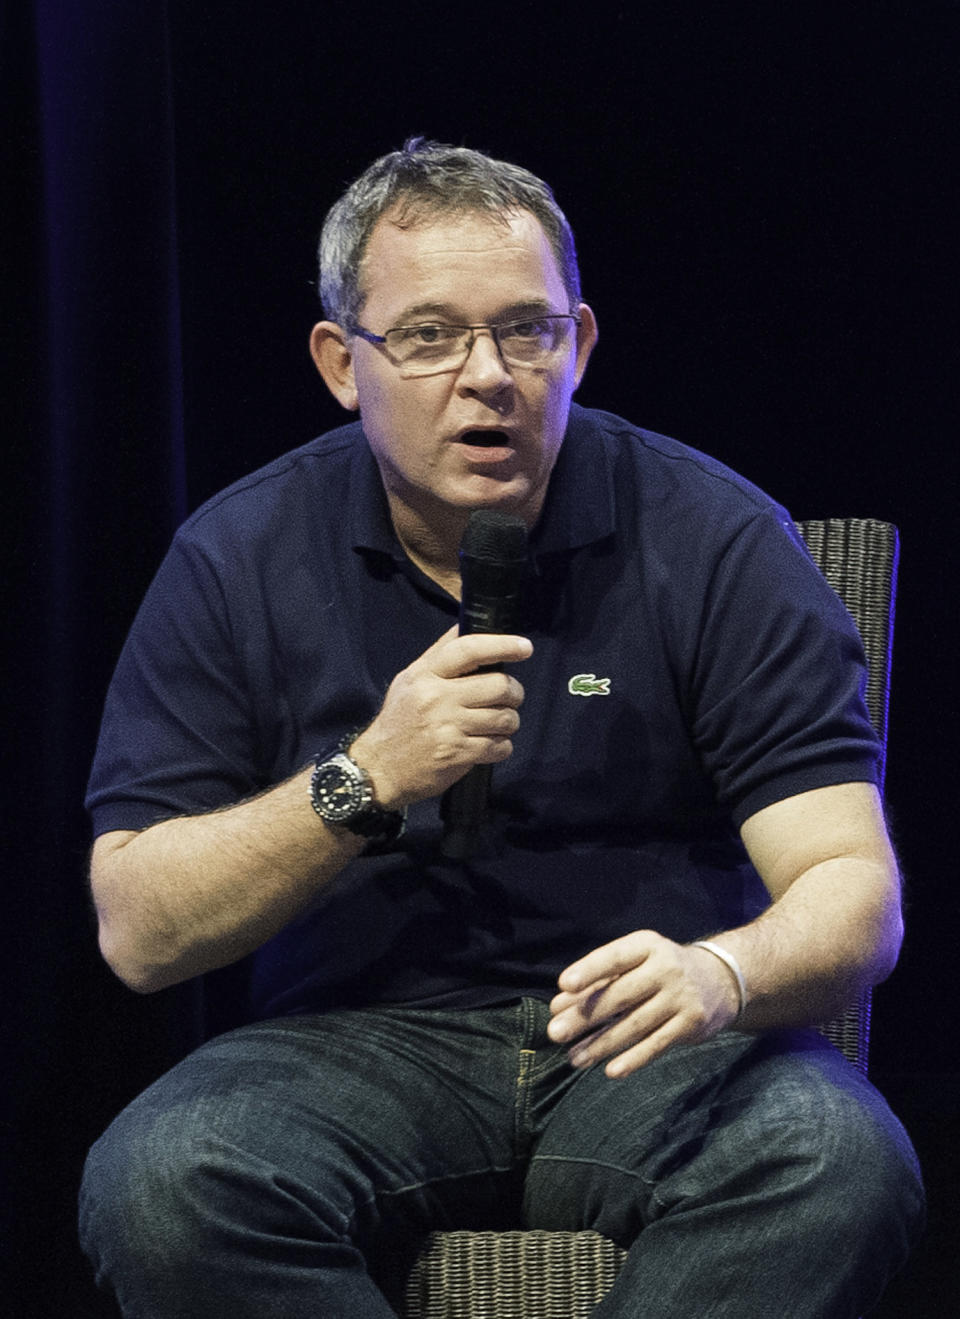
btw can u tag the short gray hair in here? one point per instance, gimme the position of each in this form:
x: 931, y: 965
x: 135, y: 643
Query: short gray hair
x: 422, y: 181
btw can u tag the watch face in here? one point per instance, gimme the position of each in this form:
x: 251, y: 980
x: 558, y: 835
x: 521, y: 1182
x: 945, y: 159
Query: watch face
x: 337, y: 792
x: 341, y: 794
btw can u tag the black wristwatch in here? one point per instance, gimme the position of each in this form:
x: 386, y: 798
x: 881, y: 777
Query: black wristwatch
x: 341, y: 794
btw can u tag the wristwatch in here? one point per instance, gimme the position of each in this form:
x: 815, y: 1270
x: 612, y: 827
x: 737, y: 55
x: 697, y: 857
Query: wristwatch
x: 341, y: 794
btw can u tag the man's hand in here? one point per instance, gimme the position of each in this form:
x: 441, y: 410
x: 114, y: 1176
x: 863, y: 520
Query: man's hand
x: 441, y: 717
x: 196, y: 892
x: 632, y: 999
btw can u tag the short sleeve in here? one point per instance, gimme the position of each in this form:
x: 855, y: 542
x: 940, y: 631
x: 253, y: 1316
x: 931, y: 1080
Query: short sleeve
x: 780, y: 674
x: 177, y: 735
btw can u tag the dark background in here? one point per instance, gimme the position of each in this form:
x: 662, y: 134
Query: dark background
x: 764, y: 197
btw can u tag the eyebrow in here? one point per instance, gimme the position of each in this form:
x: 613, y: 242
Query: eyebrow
x: 530, y: 307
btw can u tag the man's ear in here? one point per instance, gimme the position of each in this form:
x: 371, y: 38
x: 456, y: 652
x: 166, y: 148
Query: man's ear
x: 334, y: 360
x: 587, y: 335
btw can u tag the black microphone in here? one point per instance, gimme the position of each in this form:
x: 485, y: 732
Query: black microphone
x: 493, y: 560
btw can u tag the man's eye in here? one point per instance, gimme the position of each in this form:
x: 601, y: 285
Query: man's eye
x: 426, y: 335
x: 524, y: 330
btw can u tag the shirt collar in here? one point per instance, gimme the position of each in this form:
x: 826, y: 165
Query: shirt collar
x: 579, y: 508
x: 371, y: 527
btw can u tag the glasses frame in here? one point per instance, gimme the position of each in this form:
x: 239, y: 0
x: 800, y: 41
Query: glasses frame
x: 381, y: 341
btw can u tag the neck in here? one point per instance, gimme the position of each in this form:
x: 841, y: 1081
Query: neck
x: 433, y: 545
x: 431, y: 538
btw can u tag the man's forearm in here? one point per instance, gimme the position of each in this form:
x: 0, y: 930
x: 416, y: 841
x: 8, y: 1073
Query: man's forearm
x: 191, y: 894
x: 833, y: 934
x: 198, y: 892
x: 802, y: 963
x: 833, y: 928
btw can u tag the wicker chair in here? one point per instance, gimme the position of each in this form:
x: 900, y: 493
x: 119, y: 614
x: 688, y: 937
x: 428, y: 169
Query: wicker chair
x: 563, y: 1275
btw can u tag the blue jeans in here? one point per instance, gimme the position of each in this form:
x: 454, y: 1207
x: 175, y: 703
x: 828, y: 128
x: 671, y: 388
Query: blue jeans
x: 749, y: 1176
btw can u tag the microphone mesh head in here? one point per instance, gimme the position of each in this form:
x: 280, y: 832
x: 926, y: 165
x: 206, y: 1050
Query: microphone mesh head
x: 499, y: 537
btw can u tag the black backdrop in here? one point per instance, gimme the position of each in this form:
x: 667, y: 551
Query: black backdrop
x: 764, y: 200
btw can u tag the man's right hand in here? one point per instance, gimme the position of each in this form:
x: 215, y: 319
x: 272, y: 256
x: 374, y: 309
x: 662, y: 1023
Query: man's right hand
x: 441, y: 716
x: 193, y: 893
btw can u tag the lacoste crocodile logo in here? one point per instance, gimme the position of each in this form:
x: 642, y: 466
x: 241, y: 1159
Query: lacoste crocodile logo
x: 588, y: 684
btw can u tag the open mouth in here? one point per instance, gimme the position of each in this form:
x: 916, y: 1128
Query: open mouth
x: 486, y: 439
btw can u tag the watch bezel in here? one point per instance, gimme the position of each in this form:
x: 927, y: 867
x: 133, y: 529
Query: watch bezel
x: 359, y: 812
x: 340, y: 767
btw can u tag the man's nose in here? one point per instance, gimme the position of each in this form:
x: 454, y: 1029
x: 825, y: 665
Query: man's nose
x: 484, y: 369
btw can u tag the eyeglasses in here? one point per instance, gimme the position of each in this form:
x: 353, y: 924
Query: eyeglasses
x: 423, y: 350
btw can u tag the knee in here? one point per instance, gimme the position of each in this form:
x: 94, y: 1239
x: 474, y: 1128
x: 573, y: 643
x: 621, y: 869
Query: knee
x: 168, y: 1182
x: 134, y: 1197
x: 858, y: 1170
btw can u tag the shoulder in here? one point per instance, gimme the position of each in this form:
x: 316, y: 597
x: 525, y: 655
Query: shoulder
x: 670, y: 502
x: 315, y: 474
x: 665, y: 469
x: 276, y: 514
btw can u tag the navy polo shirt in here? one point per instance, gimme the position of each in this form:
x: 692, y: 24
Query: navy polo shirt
x: 691, y: 666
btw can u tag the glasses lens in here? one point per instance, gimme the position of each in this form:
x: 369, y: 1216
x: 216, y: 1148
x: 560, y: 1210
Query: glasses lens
x: 428, y: 346
x: 529, y: 342
x: 426, y: 349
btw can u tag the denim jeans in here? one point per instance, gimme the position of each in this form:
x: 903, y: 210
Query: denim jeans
x: 292, y: 1167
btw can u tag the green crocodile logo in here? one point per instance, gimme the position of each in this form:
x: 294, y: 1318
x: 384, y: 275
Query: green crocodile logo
x: 588, y: 684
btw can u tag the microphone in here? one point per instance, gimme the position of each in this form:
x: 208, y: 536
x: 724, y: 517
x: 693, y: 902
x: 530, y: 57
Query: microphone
x: 493, y: 560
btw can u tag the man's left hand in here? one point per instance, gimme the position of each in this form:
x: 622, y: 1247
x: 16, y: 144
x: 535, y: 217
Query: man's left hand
x: 632, y: 999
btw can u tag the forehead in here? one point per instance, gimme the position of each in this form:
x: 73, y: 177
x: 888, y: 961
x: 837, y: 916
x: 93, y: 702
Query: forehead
x: 469, y: 265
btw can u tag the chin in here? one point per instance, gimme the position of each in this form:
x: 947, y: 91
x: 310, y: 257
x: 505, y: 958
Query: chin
x: 510, y: 496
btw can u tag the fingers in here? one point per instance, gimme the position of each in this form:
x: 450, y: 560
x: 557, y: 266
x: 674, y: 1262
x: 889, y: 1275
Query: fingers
x: 455, y: 656
x: 452, y: 708
x: 630, y: 1045
x: 630, y: 1058
x: 489, y: 720
x: 611, y: 960
x: 469, y: 662
x: 622, y: 983
x: 493, y: 691
x: 632, y: 999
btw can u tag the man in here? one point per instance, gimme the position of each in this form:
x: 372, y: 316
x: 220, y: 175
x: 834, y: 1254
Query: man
x: 585, y: 1023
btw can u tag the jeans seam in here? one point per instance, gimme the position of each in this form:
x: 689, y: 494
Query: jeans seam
x: 386, y: 1193
x: 521, y: 1123
x: 526, y: 1057
x: 650, y: 1187
x: 595, y: 1163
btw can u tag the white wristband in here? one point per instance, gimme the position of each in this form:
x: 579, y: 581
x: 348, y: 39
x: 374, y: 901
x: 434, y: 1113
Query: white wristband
x: 732, y: 965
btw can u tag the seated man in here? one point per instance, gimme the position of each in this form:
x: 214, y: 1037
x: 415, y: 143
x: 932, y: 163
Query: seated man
x: 598, y: 1019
